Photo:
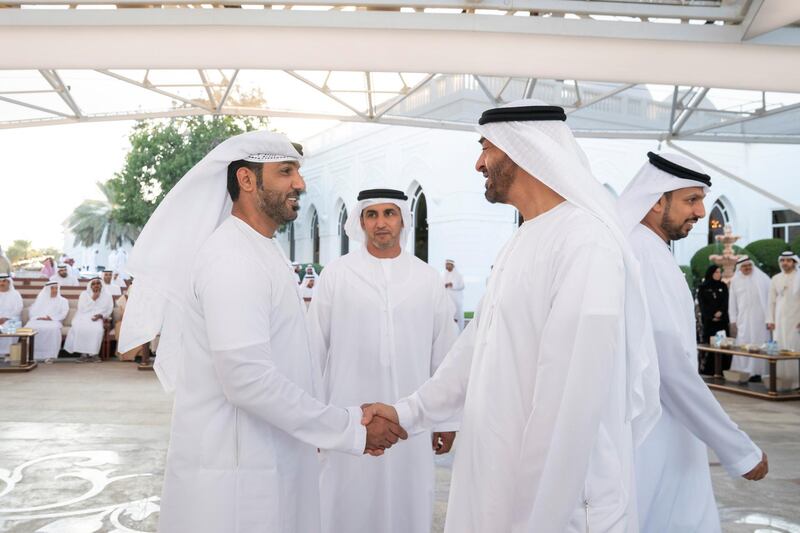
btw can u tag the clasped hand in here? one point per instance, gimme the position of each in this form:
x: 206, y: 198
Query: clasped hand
x: 383, y: 427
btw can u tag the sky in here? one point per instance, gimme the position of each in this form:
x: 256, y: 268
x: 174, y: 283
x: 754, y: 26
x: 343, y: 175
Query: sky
x: 46, y: 172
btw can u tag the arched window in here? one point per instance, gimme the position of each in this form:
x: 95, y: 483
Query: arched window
x: 315, y: 236
x: 717, y: 220
x: 344, y: 241
x: 419, y: 211
x: 291, y: 241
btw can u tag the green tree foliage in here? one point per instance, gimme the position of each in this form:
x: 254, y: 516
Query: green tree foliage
x: 161, y: 153
x: 765, y: 252
x: 92, y: 222
x: 700, y: 261
x: 795, y: 246
x: 19, y: 250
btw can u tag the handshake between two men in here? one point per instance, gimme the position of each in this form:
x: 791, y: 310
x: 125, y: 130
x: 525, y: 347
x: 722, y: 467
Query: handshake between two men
x: 384, y: 430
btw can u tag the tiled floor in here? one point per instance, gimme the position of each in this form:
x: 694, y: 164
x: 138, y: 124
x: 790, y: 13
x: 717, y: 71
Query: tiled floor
x: 82, y: 450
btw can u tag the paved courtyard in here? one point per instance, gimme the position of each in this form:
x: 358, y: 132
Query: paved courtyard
x: 82, y: 450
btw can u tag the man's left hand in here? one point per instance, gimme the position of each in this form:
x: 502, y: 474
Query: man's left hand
x: 443, y: 441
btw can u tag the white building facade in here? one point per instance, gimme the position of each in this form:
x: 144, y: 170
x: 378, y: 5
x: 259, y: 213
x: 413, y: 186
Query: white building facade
x: 453, y: 220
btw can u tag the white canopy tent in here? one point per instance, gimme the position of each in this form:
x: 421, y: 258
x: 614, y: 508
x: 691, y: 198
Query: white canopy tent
x: 670, y: 70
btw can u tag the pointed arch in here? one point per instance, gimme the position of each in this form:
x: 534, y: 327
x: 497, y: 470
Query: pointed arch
x: 419, y: 214
x: 718, y: 217
x: 344, y: 240
x: 314, y: 235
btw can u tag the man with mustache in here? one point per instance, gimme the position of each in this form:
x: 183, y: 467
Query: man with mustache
x: 246, y: 423
x: 661, y: 204
x: 557, y: 373
x: 380, y: 323
x: 783, y: 314
x: 64, y: 277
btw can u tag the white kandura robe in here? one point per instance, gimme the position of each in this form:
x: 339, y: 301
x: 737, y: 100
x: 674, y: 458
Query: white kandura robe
x: 112, y: 288
x: 380, y: 327
x: 747, y: 308
x: 541, y: 373
x: 307, y: 293
x: 456, y: 293
x: 47, y: 342
x: 10, y: 308
x: 85, y: 335
x: 245, y: 427
x: 784, y: 311
x: 672, y: 473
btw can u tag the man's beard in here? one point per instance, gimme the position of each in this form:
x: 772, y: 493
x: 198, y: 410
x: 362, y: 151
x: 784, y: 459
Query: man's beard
x: 672, y: 229
x: 273, y: 204
x: 788, y: 269
x: 501, y: 177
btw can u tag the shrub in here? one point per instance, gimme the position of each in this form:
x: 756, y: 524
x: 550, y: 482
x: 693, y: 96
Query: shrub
x: 765, y: 253
x: 795, y: 246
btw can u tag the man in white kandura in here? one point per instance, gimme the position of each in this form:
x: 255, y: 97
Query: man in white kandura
x: 45, y: 316
x: 246, y: 425
x: 308, y: 288
x: 85, y: 335
x: 557, y: 373
x: 454, y: 283
x: 747, y: 309
x: 10, y: 309
x: 108, y: 283
x: 63, y: 276
x: 381, y: 323
x: 674, y: 488
x: 783, y: 315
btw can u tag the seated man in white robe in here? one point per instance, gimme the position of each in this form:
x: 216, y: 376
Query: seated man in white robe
x: 85, y: 336
x: 246, y: 421
x: 380, y: 324
x: 661, y: 204
x: 307, y: 289
x: 783, y: 317
x: 747, y: 309
x: 454, y: 283
x: 557, y: 373
x: 10, y: 309
x: 64, y: 277
x: 45, y: 316
x: 108, y: 283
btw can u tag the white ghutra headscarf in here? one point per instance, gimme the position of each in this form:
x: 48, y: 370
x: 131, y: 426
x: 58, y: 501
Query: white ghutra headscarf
x: 170, y: 240
x: 662, y: 173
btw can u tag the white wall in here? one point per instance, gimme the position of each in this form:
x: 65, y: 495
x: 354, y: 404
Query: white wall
x: 464, y: 227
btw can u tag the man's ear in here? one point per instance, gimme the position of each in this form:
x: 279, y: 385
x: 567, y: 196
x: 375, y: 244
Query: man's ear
x: 246, y: 179
x: 660, y: 205
x: 361, y: 221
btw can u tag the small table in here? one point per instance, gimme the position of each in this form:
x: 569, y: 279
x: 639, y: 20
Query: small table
x: 756, y: 390
x: 26, y: 362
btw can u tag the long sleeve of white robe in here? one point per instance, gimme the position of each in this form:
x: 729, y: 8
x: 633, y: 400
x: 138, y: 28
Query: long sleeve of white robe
x: 689, y: 400
x: 251, y: 382
x: 579, y: 353
x: 773, y: 300
x: 733, y: 306
x: 440, y: 398
x: 243, y: 361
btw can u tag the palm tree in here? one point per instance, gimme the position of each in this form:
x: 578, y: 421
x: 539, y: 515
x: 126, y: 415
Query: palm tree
x: 91, y: 222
